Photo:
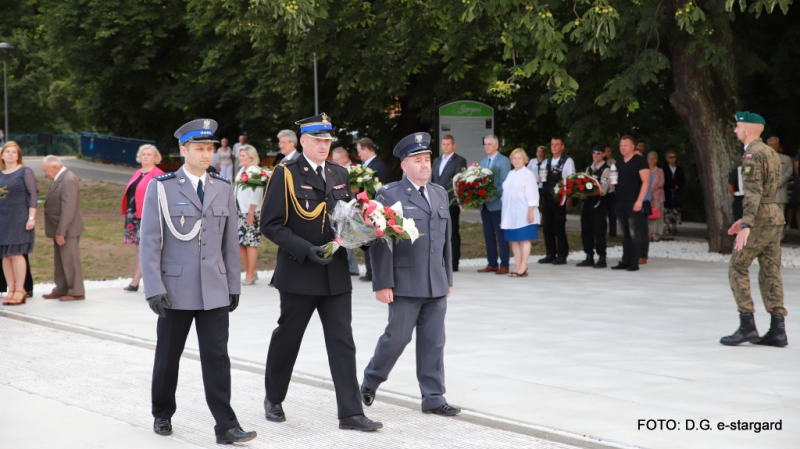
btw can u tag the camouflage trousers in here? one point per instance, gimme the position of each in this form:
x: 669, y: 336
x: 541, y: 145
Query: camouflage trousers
x: 764, y: 244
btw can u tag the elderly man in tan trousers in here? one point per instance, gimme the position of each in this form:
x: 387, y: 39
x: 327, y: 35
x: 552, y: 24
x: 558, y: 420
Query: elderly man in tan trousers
x: 64, y: 224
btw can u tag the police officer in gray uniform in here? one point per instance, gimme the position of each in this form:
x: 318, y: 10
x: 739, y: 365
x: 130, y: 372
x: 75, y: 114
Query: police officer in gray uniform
x: 414, y: 279
x: 191, y: 272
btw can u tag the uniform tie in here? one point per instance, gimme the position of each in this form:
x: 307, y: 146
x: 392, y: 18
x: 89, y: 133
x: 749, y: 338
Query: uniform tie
x: 200, y: 190
x: 422, y: 192
x: 319, y: 173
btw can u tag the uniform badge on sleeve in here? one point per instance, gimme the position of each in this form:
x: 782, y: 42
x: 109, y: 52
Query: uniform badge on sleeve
x: 748, y: 170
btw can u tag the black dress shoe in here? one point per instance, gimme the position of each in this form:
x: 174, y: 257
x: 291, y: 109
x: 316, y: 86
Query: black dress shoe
x: 365, y: 278
x: 560, y: 261
x: 235, y: 435
x: 620, y: 266
x: 588, y: 262
x: 162, y: 426
x: 274, y: 412
x: 359, y: 422
x: 444, y: 410
x: 367, y: 395
x: 601, y: 263
x: 547, y: 259
x: 632, y: 268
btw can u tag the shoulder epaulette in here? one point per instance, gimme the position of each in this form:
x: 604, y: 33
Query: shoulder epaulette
x: 392, y: 185
x: 165, y: 176
x: 220, y: 177
x: 289, y: 162
x: 333, y: 163
x: 436, y: 185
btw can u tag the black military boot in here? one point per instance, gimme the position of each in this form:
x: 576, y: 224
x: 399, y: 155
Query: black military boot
x: 747, y: 331
x: 776, y: 335
x: 601, y: 263
x: 586, y: 263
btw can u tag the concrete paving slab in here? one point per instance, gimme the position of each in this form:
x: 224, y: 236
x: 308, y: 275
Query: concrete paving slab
x: 103, y: 385
x: 585, y: 351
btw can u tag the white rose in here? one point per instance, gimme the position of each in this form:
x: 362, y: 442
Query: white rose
x: 410, y: 228
x: 360, y: 179
x: 589, y: 186
x: 378, y: 186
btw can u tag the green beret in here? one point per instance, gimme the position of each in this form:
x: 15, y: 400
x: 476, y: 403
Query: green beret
x: 749, y: 117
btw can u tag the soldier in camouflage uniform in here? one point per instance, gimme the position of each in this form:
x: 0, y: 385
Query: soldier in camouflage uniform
x: 758, y: 235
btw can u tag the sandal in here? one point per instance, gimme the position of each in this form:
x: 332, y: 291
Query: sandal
x: 22, y: 299
x: 514, y: 274
x: 131, y: 288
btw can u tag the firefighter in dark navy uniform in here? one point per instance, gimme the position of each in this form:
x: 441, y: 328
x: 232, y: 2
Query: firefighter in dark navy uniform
x: 295, y: 216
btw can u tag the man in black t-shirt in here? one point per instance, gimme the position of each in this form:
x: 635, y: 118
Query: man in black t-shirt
x: 632, y: 185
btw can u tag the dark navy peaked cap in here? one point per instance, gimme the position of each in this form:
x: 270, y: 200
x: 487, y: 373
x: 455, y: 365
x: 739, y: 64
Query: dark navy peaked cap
x: 412, y: 145
x: 200, y: 130
x: 318, y: 126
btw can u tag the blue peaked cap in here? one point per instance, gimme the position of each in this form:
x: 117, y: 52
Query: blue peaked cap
x: 199, y: 130
x: 412, y: 145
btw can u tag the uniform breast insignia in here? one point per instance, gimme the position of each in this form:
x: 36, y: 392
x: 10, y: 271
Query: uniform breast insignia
x: 220, y: 177
x: 183, y: 220
x: 340, y: 186
x: 748, y: 156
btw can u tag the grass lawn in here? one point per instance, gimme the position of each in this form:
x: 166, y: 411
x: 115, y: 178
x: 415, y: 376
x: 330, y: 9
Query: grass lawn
x: 104, y: 256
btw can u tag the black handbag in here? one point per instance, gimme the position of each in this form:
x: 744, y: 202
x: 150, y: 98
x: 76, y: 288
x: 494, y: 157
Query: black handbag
x: 647, y: 209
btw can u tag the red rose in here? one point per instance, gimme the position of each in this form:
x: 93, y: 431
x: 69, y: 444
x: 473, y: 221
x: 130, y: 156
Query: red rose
x: 569, y: 191
x: 561, y: 191
x: 579, y: 181
x: 581, y: 187
x: 474, y: 183
x: 570, y: 183
x: 263, y: 174
x: 481, y: 193
x: 245, y: 177
x: 466, y: 201
x: 484, y: 180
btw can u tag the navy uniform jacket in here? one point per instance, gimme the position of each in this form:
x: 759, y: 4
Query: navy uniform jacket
x: 294, y: 235
x: 423, y: 269
x: 453, y: 167
x: 198, y: 274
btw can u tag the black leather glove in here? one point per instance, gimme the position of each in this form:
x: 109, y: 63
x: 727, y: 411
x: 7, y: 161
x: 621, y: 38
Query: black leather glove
x: 234, y: 302
x: 315, y: 255
x: 159, y: 305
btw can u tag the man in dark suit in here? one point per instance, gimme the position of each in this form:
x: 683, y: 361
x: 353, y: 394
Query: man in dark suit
x: 673, y: 186
x: 366, y: 152
x: 299, y: 196
x: 414, y: 279
x: 63, y: 223
x: 445, y: 167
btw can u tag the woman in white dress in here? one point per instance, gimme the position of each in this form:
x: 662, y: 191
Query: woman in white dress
x: 520, y: 214
x: 249, y: 203
x: 224, y: 161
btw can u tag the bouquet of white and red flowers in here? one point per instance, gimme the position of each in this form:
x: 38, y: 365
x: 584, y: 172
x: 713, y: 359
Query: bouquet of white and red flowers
x: 254, y: 177
x: 576, y: 185
x: 363, y: 178
x: 473, y: 186
x: 361, y: 221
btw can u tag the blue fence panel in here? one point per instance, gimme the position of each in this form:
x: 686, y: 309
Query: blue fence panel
x: 44, y: 144
x: 112, y: 149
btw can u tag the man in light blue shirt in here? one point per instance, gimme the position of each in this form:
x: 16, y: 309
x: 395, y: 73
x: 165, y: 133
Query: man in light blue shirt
x: 491, y: 210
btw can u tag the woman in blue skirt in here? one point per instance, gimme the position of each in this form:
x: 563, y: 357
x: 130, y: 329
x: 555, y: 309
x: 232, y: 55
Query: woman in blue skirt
x: 520, y: 213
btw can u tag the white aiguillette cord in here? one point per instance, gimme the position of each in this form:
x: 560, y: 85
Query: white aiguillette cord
x: 164, y: 212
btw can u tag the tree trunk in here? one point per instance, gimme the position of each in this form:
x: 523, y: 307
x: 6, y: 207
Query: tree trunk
x: 705, y: 99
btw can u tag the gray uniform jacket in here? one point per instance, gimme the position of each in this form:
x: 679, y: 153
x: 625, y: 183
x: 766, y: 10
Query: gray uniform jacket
x: 200, y: 273
x: 423, y: 269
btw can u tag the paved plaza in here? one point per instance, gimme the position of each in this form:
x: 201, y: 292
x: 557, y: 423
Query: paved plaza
x: 565, y: 358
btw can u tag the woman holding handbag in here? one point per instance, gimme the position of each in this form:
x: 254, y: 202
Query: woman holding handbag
x: 656, y: 220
